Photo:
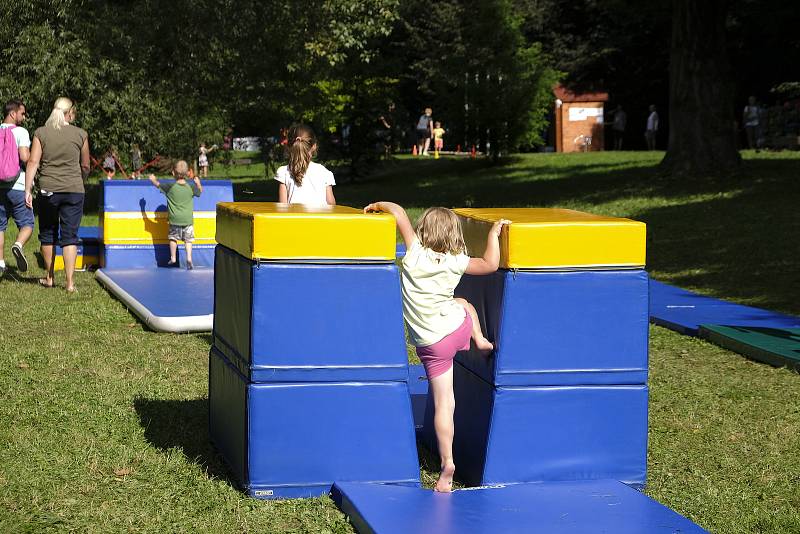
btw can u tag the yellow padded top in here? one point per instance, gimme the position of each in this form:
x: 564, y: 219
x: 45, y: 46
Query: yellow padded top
x: 552, y: 238
x: 269, y: 230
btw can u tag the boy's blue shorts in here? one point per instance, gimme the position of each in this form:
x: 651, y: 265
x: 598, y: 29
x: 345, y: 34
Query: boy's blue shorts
x: 12, y: 202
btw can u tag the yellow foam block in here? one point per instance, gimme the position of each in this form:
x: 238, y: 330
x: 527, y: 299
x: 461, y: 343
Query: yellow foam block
x: 81, y: 262
x: 549, y: 238
x: 268, y: 230
x: 135, y: 227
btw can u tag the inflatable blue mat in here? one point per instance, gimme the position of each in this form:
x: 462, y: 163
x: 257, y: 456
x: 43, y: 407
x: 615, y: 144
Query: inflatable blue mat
x: 683, y: 311
x: 547, y: 508
x: 165, y: 299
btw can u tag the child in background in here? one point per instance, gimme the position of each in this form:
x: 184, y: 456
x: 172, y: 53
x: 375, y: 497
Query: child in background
x: 202, y: 160
x: 438, y: 324
x: 302, y: 181
x: 180, y: 204
x: 110, y: 164
x: 438, y: 136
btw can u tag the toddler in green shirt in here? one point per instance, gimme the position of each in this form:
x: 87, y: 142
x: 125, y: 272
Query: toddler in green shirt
x: 180, y: 205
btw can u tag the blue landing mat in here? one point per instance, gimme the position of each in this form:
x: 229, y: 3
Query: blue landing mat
x: 165, y: 299
x: 683, y: 311
x: 548, y: 508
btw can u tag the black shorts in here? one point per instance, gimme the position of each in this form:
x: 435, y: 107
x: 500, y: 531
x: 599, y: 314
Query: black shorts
x: 59, y: 218
x: 423, y: 134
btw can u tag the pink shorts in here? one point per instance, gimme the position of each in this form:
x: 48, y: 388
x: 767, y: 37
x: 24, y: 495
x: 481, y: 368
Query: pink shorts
x: 438, y: 358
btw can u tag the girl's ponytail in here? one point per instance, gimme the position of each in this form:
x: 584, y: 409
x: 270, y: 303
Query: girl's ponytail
x: 300, y: 149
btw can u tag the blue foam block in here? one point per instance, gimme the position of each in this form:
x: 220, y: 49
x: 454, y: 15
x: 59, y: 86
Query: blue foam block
x: 308, y: 322
x: 560, y: 328
x: 418, y: 387
x: 89, y: 244
x: 149, y: 256
x: 684, y: 311
x: 89, y: 233
x: 135, y: 195
x: 550, y: 508
x: 287, y: 440
x: 167, y: 300
x: 545, y: 433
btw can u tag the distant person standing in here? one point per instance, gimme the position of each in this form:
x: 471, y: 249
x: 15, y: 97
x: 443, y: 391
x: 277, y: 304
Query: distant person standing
x: 424, y: 131
x: 386, y: 127
x: 652, y: 128
x: 136, y: 160
x: 620, y: 120
x: 750, y: 119
x: 12, y: 189
x: 60, y: 155
x: 438, y: 137
x: 202, y: 160
x: 110, y: 163
x: 136, y: 157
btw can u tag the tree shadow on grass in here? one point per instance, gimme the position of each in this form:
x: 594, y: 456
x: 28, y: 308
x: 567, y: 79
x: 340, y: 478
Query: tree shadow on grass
x: 181, y: 424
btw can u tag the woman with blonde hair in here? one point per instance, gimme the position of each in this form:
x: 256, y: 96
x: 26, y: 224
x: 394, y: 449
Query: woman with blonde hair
x: 302, y: 181
x: 60, y: 156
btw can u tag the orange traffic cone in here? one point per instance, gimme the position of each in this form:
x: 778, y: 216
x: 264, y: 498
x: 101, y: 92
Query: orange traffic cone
x: 458, y: 149
x: 414, y: 151
x: 473, y: 154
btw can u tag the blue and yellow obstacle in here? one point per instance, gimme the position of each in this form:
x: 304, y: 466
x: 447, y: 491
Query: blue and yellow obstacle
x: 88, y: 250
x: 135, y: 250
x: 134, y: 224
x: 308, y: 373
x: 308, y: 380
x: 564, y: 394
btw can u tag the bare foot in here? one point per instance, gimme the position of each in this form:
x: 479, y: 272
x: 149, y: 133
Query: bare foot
x: 72, y: 289
x: 484, y: 344
x: 46, y: 282
x: 445, y: 482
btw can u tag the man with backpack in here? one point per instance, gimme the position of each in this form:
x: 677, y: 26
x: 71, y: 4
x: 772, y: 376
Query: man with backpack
x: 15, y: 142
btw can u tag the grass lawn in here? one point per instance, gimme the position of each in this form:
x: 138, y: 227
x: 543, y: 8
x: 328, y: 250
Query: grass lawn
x: 103, y: 425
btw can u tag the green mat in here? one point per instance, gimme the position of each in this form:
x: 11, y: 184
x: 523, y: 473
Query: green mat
x: 776, y: 346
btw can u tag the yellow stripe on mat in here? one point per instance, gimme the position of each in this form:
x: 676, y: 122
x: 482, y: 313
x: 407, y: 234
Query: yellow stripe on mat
x: 135, y: 227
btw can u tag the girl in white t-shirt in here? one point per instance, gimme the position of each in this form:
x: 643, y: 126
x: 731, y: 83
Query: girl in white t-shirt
x: 439, y: 324
x: 302, y: 181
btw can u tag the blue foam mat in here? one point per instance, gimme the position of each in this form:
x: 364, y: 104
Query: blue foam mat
x: 547, y: 508
x: 89, y: 241
x: 150, y: 256
x: 287, y: 440
x: 560, y: 328
x: 166, y: 299
x: 136, y: 195
x: 684, y: 311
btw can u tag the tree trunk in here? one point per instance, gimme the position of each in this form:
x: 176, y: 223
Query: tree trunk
x: 702, y: 135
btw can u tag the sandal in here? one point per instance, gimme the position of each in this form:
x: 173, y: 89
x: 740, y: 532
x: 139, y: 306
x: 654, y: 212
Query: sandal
x: 43, y: 283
